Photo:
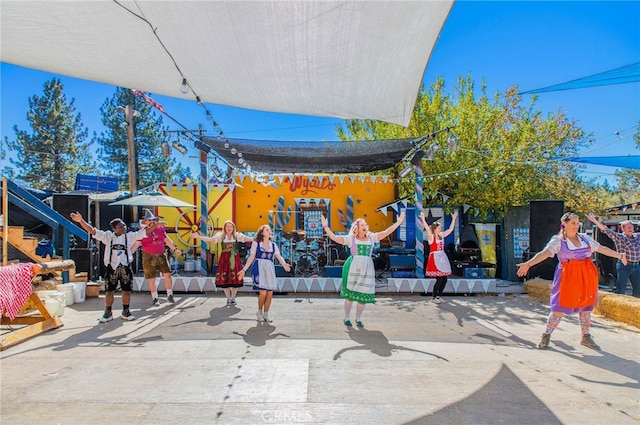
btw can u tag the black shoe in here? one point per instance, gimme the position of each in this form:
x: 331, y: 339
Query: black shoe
x: 107, y: 317
x: 155, y: 302
x: 170, y: 299
x: 126, y: 315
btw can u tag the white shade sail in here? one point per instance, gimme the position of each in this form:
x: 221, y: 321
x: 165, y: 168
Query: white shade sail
x: 345, y: 59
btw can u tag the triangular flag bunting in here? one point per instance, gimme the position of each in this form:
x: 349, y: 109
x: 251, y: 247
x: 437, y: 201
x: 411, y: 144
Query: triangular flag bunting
x: 322, y: 283
x: 187, y: 283
x: 309, y: 284
x: 412, y: 285
x: 425, y: 285
x: 455, y: 283
x: 471, y: 284
x: 485, y: 285
x: 397, y: 283
x: 337, y: 283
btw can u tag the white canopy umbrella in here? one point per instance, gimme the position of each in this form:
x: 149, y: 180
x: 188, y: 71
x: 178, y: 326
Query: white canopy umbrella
x: 153, y: 200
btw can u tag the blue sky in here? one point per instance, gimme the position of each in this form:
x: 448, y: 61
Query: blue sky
x: 531, y: 44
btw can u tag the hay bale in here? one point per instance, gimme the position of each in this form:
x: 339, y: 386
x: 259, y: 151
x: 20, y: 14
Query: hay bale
x: 622, y: 308
x: 538, y: 289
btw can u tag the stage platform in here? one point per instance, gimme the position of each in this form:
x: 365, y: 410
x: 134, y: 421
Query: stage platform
x: 185, y: 283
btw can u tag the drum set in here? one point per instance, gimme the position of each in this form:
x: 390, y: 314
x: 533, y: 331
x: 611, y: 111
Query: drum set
x: 306, y: 255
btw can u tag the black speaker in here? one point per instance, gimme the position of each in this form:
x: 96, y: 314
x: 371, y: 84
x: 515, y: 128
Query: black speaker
x: 66, y: 204
x: 606, y: 264
x: 544, y: 222
x: 107, y: 212
x: 86, y: 262
x: 544, y: 270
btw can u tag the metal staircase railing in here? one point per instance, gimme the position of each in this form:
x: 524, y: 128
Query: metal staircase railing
x: 33, y: 206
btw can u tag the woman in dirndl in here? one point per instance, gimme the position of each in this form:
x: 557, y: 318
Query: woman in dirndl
x: 438, y: 264
x: 575, y: 280
x: 263, y: 270
x: 229, y: 263
x: 358, y: 271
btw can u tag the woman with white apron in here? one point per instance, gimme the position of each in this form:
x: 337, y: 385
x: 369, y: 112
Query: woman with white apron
x: 438, y: 264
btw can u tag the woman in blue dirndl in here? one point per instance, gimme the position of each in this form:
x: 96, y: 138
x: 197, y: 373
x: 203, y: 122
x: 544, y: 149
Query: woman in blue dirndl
x: 263, y: 270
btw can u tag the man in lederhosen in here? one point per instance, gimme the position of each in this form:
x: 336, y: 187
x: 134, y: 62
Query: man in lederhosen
x: 117, y: 258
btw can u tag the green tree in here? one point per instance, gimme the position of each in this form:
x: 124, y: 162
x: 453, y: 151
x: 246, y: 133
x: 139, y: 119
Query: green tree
x: 508, y: 153
x: 54, y: 151
x: 6, y: 171
x: 151, y: 164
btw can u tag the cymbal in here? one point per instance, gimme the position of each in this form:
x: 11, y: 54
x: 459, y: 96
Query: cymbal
x: 298, y: 235
x: 287, y: 235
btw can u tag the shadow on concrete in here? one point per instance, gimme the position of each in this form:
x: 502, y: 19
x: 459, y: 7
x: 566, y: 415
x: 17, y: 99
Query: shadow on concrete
x: 260, y: 334
x: 377, y: 343
x: 503, y: 400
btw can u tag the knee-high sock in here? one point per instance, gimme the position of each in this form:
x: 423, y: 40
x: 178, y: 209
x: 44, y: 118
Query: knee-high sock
x: 347, y: 309
x: 552, y: 322
x: 585, y: 321
x: 359, y: 310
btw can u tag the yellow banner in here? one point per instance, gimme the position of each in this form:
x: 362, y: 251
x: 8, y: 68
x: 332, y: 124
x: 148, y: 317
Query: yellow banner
x: 487, y: 240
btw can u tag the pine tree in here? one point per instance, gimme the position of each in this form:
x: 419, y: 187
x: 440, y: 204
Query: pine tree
x: 55, y: 151
x: 151, y: 165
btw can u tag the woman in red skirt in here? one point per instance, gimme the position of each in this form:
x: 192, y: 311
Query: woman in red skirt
x: 438, y: 265
x: 229, y: 263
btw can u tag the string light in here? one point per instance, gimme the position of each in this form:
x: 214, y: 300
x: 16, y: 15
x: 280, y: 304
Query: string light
x: 184, y: 87
x: 453, y: 143
x: 405, y: 172
x: 179, y: 147
x: 166, y: 150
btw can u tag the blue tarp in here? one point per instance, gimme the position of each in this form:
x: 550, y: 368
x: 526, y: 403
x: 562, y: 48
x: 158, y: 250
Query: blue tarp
x: 628, y: 161
x: 625, y: 74
x: 96, y: 184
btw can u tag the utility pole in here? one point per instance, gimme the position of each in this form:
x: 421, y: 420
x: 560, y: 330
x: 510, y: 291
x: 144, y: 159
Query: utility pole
x: 131, y: 147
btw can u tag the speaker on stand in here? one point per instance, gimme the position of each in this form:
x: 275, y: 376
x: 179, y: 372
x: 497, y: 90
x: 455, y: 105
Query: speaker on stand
x: 86, y: 262
x: 544, y: 222
x: 66, y: 204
